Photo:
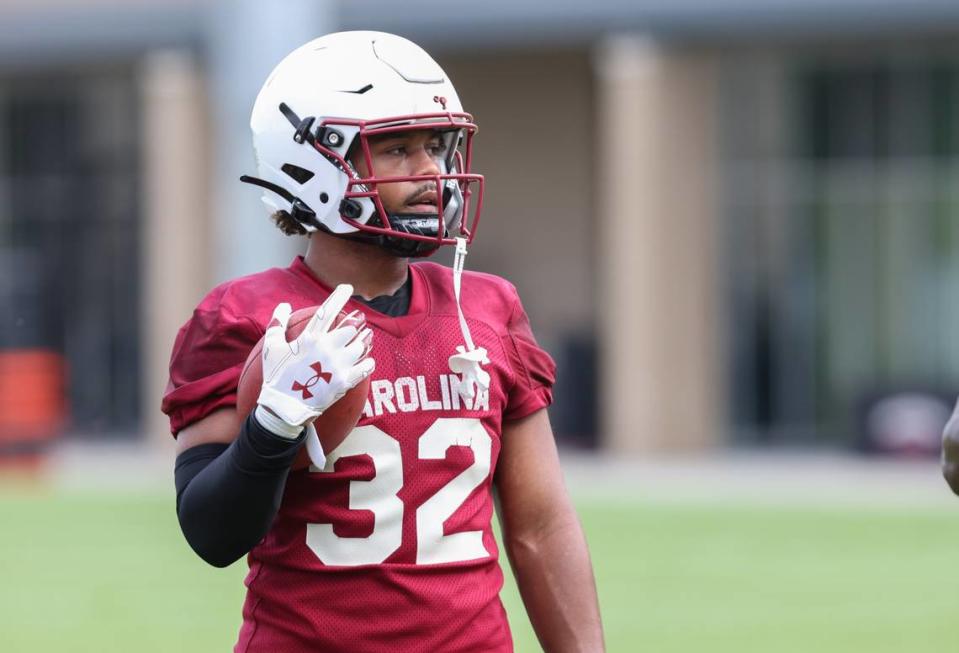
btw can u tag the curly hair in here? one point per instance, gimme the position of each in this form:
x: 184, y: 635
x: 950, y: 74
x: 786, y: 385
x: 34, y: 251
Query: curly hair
x: 287, y: 224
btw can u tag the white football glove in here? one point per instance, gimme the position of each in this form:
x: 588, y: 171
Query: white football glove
x: 304, y: 377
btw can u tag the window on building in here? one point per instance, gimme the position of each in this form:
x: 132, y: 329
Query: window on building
x: 69, y: 245
x: 847, y: 199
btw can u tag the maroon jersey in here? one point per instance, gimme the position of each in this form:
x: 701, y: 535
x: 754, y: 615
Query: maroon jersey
x: 390, y: 546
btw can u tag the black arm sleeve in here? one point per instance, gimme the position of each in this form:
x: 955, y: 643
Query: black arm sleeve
x: 228, y: 495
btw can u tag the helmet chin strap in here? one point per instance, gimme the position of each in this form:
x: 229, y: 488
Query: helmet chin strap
x: 468, y: 360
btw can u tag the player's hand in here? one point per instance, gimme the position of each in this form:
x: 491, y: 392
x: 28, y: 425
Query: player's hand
x: 304, y: 377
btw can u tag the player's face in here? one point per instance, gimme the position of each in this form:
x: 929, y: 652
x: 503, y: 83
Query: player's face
x: 403, y: 154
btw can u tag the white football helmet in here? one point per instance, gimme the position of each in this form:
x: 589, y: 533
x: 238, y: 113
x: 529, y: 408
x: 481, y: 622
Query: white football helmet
x: 324, y: 100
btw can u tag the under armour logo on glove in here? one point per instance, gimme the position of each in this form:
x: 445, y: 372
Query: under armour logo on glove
x: 467, y: 364
x: 312, y: 381
x: 334, y: 349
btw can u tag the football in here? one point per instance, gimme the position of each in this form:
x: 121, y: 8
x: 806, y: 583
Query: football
x: 334, y: 424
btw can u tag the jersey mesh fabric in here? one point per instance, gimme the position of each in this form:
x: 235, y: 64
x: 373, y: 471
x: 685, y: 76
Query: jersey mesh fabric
x: 389, y: 547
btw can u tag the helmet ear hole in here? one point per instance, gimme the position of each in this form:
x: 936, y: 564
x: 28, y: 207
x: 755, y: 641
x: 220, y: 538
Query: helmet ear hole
x: 351, y: 209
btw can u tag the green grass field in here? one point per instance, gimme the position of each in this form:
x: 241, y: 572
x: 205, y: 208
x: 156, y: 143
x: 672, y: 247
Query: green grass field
x: 104, y: 573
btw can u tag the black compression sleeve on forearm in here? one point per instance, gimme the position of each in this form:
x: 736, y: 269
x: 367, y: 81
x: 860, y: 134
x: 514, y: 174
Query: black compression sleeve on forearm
x: 228, y: 495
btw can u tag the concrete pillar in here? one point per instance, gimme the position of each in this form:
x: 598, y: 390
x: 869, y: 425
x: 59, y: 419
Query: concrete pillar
x: 176, y: 179
x: 247, y: 39
x: 658, y: 249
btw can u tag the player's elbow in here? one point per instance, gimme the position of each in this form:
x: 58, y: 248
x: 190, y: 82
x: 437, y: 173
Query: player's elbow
x: 536, y: 536
x: 212, y: 551
x: 216, y: 560
x: 208, y: 539
x: 220, y: 562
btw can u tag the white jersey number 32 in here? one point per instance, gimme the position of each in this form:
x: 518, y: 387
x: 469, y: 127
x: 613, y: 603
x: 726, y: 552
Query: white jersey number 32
x: 379, y: 496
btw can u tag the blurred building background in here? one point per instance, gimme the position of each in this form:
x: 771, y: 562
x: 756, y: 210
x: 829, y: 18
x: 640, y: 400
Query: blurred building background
x: 733, y: 222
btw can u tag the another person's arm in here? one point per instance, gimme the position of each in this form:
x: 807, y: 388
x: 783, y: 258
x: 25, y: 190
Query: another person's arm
x: 950, y: 450
x: 544, y: 540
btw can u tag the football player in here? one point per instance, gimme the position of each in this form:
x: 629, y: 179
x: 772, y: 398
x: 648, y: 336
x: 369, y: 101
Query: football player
x: 385, y: 542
